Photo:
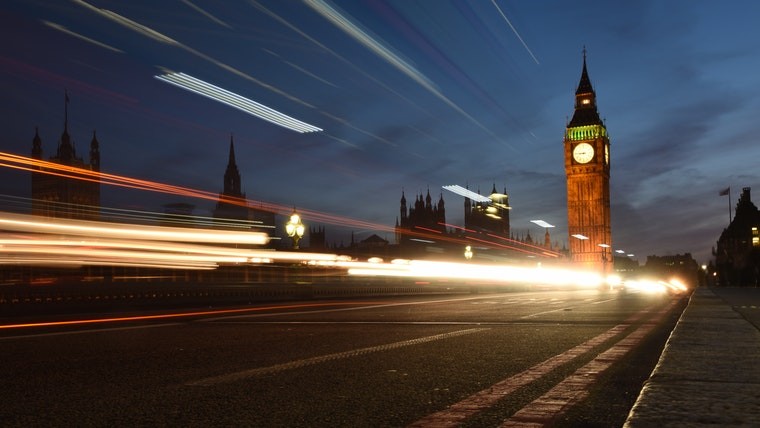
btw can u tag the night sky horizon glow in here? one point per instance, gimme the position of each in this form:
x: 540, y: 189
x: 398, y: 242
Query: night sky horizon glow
x: 409, y: 95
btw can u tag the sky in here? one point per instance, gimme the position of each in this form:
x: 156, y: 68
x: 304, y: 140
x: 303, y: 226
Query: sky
x: 410, y: 95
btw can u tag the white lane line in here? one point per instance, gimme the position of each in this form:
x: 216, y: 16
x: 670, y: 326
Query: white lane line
x: 94, y: 330
x: 457, y: 413
x: 353, y: 308
x: 245, y: 374
x: 545, y: 410
x: 562, y: 309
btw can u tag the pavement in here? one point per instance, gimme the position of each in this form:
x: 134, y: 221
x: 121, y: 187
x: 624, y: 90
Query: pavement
x: 709, y: 372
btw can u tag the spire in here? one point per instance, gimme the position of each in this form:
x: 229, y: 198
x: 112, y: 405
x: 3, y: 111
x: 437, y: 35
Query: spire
x: 37, y: 144
x: 232, y: 175
x: 65, y: 111
x: 232, y: 151
x: 95, y: 152
x: 584, y: 86
x: 66, y: 152
x: 403, y: 210
x: 585, y: 101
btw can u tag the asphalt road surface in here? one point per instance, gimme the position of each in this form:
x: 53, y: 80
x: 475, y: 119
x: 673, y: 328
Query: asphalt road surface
x: 561, y: 358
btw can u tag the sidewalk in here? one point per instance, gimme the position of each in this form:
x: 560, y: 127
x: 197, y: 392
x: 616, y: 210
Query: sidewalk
x: 708, y: 373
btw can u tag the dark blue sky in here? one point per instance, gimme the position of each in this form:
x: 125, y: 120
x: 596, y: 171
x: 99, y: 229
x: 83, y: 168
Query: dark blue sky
x: 410, y: 94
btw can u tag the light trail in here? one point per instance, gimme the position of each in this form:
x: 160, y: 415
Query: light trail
x: 177, y: 315
x: 345, y: 23
x: 27, y: 223
x: 514, y: 30
x: 65, y: 30
x: 197, y: 86
x: 45, y: 167
x: 498, y: 273
x: 82, y: 243
x: 459, y: 190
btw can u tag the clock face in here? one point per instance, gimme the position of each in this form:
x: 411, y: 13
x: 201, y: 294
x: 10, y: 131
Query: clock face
x: 583, y: 153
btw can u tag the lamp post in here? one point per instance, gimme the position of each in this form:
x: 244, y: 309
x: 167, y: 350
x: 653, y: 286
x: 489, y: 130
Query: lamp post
x: 468, y: 252
x: 294, y: 228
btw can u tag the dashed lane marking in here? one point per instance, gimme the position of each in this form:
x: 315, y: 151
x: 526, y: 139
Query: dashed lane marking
x: 545, y: 410
x: 457, y: 413
x: 260, y: 371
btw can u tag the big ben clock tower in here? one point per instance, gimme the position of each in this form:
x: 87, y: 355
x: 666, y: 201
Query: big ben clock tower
x: 587, y: 166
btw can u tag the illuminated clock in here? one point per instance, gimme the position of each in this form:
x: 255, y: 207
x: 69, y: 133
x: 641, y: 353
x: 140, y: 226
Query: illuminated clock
x: 583, y: 153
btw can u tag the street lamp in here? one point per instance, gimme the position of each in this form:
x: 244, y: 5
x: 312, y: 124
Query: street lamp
x: 294, y: 228
x: 468, y: 252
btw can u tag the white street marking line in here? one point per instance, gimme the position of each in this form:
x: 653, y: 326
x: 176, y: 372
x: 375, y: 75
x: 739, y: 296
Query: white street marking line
x: 575, y: 388
x: 100, y: 330
x: 232, y: 377
x: 457, y: 413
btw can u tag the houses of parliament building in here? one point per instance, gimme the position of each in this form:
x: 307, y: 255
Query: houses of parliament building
x: 76, y: 197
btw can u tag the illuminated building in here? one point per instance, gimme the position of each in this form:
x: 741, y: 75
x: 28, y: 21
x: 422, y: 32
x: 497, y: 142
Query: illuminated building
x: 490, y: 216
x: 76, y: 197
x: 587, y: 167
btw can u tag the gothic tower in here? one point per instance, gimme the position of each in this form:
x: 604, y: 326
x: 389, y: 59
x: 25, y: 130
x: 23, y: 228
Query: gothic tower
x: 587, y: 167
x: 232, y: 204
x: 74, y: 195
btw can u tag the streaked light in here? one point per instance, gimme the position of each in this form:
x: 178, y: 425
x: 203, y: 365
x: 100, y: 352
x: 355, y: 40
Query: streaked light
x: 620, y: 251
x: 239, y: 102
x: 459, y: 190
x: 26, y: 223
x: 542, y: 223
x: 579, y: 236
x: 497, y: 273
x: 604, y: 245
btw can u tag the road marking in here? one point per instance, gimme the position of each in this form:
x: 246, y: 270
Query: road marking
x: 260, y: 371
x: 457, y: 413
x: 99, y: 330
x: 562, y: 309
x: 544, y: 410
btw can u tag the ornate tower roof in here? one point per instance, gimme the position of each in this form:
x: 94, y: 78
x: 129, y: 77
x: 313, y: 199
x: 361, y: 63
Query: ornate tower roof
x: 585, y: 101
x: 37, y: 144
x: 95, y: 152
x: 66, y: 151
x: 232, y: 175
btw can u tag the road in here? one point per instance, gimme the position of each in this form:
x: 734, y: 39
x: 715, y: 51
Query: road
x: 569, y: 358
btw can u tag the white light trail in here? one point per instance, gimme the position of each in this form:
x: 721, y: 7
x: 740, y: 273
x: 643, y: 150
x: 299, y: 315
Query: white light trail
x: 26, y: 223
x: 65, y: 30
x: 579, y: 236
x: 514, y: 31
x: 497, y: 273
x: 459, y: 190
x: 542, y: 223
x: 192, y: 84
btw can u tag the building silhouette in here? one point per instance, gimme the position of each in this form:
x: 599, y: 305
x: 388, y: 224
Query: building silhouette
x: 737, y: 255
x: 587, y: 168
x: 75, y: 196
x: 232, y: 204
x: 232, y: 209
x: 423, y: 217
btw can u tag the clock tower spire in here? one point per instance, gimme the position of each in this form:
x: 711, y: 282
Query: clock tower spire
x: 587, y: 168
